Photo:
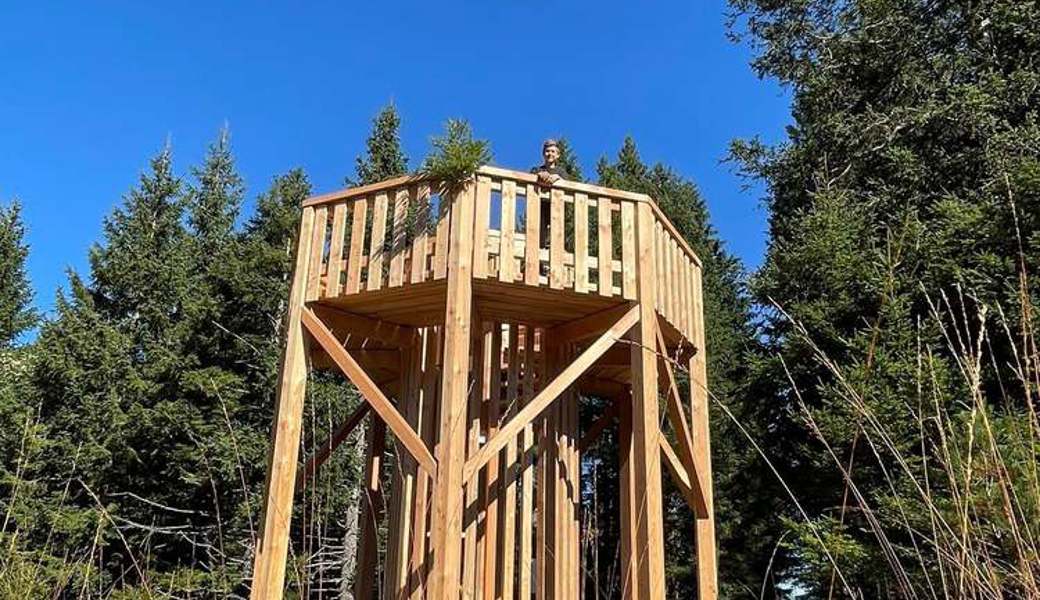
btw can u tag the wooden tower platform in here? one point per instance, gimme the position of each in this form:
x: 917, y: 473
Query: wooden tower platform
x: 473, y: 321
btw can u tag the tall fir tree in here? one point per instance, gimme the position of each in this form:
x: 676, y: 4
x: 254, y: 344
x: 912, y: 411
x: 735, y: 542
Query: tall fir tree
x: 902, y: 207
x: 383, y: 158
x: 16, y: 311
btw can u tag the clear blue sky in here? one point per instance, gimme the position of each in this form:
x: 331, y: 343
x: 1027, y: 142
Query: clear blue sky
x: 88, y: 94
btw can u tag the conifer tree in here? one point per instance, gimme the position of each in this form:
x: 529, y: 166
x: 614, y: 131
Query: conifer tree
x: 902, y: 209
x: 16, y: 312
x: 383, y: 158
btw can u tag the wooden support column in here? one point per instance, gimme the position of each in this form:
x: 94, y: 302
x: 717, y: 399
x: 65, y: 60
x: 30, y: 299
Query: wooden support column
x: 273, y: 543
x: 707, y: 570
x: 628, y: 488
x: 446, y: 513
x: 371, y: 511
x: 648, y: 545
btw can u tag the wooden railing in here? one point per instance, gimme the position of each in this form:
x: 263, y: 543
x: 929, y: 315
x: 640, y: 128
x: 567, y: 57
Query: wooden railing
x: 571, y: 236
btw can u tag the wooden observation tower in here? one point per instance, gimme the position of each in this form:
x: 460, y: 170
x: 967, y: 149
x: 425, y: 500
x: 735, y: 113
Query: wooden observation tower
x: 474, y: 322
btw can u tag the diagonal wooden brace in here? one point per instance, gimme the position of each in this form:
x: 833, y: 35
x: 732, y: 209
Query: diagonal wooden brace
x: 550, y: 392
x: 370, y: 391
x: 682, y: 480
x: 325, y: 450
x: 682, y: 430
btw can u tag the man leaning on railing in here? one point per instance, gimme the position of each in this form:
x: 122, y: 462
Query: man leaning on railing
x: 549, y: 172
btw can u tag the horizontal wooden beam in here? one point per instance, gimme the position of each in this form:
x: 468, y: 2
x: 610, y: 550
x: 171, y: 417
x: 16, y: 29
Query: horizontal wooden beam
x: 370, y: 391
x: 586, y: 327
x: 326, y: 449
x: 362, y: 190
x: 550, y: 392
x: 344, y: 324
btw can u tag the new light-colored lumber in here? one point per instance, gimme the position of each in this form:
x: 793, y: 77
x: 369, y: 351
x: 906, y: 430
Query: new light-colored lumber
x: 474, y: 493
x: 493, y: 470
x: 370, y: 391
x: 585, y: 327
x: 649, y: 542
x: 606, y: 247
x: 507, y: 260
x: 376, y: 248
x: 532, y: 229
x: 273, y: 542
x: 316, y: 247
x: 628, y: 250
x: 446, y: 513
x: 482, y: 218
x: 707, y: 571
x: 398, y: 242
x: 359, y: 213
x: 677, y: 417
x: 527, y: 447
x: 552, y: 390
x: 557, y: 275
x: 325, y: 450
x: 420, y: 250
x: 441, y: 242
x: 581, y: 242
x: 339, y: 234
x: 508, y: 491
x: 371, y: 511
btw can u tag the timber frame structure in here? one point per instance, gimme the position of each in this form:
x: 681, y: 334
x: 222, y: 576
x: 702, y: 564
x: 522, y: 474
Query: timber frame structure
x: 472, y: 321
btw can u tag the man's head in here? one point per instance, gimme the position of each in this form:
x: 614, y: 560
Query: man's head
x: 550, y: 152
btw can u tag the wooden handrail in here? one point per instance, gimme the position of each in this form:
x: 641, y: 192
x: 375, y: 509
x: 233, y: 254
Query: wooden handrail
x: 520, y: 176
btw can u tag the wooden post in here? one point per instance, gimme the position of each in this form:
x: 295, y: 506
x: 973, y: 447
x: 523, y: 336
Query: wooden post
x: 707, y: 570
x: 273, y: 543
x: 446, y: 513
x: 648, y: 545
x: 371, y: 511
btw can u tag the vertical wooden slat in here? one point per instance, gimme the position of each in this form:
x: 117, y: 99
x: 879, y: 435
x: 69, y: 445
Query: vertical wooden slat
x: 417, y: 560
x: 400, y: 541
x: 480, y: 233
x: 532, y: 228
x: 273, y: 544
x: 357, y: 245
x: 506, y: 260
x: 526, y: 521
x: 493, y: 477
x: 557, y: 274
x: 546, y: 490
x: 629, y: 508
x: 581, y: 242
x: 398, y: 241
x: 474, y: 502
x: 509, y: 491
x: 606, y: 248
x: 628, y: 250
x: 316, y: 249
x: 440, y: 244
x: 419, y: 240
x: 685, y: 294
x: 339, y: 234
x: 669, y: 275
x: 658, y: 258
x: 649, y: 542
x: 371, y: 513
x: 575, y: 496
x: 446, y: 513
x: 375, y: 249
x: 707, y: 571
